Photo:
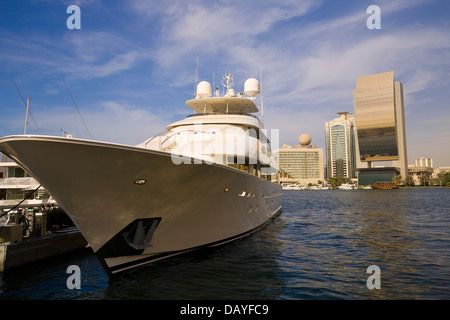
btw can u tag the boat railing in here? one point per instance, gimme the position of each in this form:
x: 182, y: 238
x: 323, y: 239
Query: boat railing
x: 167, y: 138
x: 154, y: 137
x: 189, y: 132
x: 224, y: 114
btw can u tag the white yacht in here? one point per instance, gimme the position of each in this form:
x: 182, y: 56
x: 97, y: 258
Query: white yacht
x: 347, y: 186
x: 205, y: 182
x: 293, y: 187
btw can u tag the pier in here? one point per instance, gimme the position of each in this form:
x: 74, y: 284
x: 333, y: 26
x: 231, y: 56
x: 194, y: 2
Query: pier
x: 14, y: 254
x: 35, y: 233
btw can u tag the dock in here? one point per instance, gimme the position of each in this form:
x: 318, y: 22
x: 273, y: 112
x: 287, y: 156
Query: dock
x: 38, y: 248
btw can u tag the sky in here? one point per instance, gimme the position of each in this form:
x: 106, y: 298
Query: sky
x: 132, y: 64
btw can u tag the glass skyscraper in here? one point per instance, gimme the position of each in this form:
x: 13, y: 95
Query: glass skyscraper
x: 340, y: 146
x: 380, y: 121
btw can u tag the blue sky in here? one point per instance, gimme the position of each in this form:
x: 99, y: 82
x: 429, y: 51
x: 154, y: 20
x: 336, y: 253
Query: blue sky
x: 132, y: 65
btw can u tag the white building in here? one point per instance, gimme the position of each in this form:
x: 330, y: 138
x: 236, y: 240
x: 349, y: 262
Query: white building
x: 422, y: 171
x: 424, y: 162
x: 301, y: 164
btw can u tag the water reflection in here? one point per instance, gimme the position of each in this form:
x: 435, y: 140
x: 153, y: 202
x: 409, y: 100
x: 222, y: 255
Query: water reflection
x: 319, y: 248
x: 345, y: 232
x: 245, y: 269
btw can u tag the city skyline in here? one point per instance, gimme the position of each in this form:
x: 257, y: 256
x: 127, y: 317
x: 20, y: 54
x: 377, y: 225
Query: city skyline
x: 132, y: 65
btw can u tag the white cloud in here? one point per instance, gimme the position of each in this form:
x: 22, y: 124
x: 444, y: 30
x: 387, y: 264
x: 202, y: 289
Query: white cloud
x: 124, y: 123
x: 215, y: 28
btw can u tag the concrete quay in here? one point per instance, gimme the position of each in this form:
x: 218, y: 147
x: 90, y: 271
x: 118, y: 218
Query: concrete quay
x: 38, y: 248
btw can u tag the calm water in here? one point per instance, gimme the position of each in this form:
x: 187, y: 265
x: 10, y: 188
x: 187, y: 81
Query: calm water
x: 319, y: 248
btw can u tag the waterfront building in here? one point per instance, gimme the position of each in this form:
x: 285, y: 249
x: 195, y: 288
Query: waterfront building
x: 16, y: 184
x: 424, y: 162
x: 422, y: 171
x: 340, y: 146
x: 380, y: 126
x: 422, y: 175
x: 443, y: 170
x: 302, y: 164
x: 439, y: 175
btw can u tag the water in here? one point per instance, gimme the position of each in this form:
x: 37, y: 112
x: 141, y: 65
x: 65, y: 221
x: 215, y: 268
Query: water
x: 319, y: 248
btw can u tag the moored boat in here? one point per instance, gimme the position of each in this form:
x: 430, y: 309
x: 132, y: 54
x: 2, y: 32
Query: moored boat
x: 205, y: 182
x: 385, y: 185
x: 347, y: 186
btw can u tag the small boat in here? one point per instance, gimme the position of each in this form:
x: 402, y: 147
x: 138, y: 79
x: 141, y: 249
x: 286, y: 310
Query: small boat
x: 319, y: 187
x: 385, y: 185
x: 347, y: 186
x: 293, y: 187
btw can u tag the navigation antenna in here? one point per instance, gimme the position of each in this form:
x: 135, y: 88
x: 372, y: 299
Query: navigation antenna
x: 27, y: 105
x: 73, y: 100
x: 229, y: 82
x: 262, y: 104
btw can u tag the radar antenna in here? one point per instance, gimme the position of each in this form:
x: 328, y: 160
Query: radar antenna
x: 228, y: 82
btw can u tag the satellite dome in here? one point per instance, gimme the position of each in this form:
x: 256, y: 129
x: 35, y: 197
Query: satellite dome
x: 204, y: 89
x: 251, y: 87
x: 304, y: 139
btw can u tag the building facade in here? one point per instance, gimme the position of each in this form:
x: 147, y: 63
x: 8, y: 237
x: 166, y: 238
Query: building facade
x: 302, y: 163
x: 422, y: 171
x: 380, y: 123
x: 340, y: 146
x: 424, y: 162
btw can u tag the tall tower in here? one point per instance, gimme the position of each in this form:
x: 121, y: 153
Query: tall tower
x: 340, y: 146
x: 380, y: 122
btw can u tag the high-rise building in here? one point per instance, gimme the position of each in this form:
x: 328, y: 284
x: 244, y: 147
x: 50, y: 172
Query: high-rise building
x: 340, y: 146
x: 301, y: 164
x: 380, y: 125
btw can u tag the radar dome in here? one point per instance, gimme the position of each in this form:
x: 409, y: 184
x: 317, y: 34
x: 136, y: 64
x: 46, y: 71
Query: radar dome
x: 304, y: 139
x: 251, y: 87
x: 204, y: 89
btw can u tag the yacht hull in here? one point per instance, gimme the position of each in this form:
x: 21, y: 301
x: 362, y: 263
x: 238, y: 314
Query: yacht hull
x: 135, y: 205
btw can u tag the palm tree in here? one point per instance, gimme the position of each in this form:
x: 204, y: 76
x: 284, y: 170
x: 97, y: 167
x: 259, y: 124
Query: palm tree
x: 440, y: 178
x: 424, y: 180
x: 409, y: 180
x: 397, y: 179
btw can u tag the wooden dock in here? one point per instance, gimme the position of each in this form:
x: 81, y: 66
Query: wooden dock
x: 38, y: 248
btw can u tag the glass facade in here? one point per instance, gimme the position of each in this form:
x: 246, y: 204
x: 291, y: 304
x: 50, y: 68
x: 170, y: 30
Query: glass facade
x: 340, y: 146
x: 374, y: 102
x: 374, y: 175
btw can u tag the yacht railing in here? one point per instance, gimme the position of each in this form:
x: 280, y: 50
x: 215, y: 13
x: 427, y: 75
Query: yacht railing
x: 225, y: 114
x: 161, y: 143
x: 151, y: 139
x: 189, y: 132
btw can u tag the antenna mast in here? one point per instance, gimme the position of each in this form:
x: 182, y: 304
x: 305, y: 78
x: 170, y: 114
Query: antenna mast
x: 262, y: 104
x: 229, y: 82
x: 73, y: 100
x: 196, y: 79
x: 28, y: 112
x: 26, y: 116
